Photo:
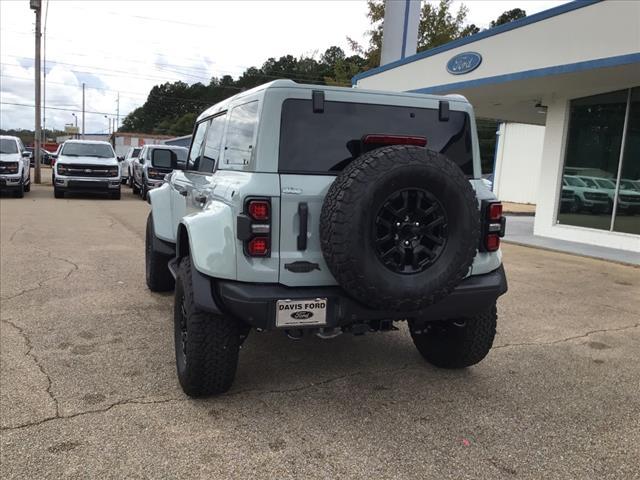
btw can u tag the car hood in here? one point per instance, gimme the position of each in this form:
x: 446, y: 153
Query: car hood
x: 10, y: 157
x: 88, y: 160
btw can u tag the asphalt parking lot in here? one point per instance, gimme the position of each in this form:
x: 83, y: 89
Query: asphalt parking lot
x: 88, y: 387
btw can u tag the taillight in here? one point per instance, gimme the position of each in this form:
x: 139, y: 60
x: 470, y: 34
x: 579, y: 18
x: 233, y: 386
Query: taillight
x: 493, y: 226
x: 254, y: 227
x: 258, y: 209
x: 394, y: 140
x: 258, y: 246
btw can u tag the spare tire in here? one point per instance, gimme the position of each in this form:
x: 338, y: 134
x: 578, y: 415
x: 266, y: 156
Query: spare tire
x: 400, y: 227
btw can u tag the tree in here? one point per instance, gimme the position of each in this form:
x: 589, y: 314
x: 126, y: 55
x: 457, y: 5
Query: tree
x: 508, y: 16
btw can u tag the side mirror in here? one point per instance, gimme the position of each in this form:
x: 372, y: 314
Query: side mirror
x: 120, y: 159
x: 163, y: 158
x: 26, y: 154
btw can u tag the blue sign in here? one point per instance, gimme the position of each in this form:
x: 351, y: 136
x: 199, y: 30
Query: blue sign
x: 464, y: 63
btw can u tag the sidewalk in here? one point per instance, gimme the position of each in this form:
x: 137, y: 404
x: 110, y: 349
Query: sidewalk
x: 520, y: 232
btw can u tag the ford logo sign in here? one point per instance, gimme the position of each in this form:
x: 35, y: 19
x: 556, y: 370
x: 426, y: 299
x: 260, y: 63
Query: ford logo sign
x: 464, y: 63
x: 303, y: 315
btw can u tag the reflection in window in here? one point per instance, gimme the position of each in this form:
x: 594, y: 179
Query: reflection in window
x: 628, y: 210
x: 240, y: 131
x: 592, y: 157
x: 196, y: 145
x: 211, y: 152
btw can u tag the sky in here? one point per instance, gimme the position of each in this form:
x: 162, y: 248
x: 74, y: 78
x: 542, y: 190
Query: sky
x: 128, y: 47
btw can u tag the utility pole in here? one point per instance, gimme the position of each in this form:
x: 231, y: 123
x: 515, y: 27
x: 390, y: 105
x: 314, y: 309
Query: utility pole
x: 36, y: 6
x: 83, y: 110
x: 117, y: 113
x: 44, y: 75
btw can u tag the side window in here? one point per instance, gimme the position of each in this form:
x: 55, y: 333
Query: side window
x: 240, y: 132
x: 211, y: 153
x: 196, y: 146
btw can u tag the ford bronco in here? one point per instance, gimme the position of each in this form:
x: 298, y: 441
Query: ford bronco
x: 327, y: 210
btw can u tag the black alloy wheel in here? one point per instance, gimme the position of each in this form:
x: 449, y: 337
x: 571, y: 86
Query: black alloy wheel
x: 410, y: 231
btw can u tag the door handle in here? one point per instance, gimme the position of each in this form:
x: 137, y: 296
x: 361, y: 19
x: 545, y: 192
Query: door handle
x: 181, y: 190
x: 303, y: 213
x: 200, y: 198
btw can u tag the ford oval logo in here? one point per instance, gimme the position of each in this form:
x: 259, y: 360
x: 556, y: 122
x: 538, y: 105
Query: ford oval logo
x: 302, y: 315
x: 464, y: 63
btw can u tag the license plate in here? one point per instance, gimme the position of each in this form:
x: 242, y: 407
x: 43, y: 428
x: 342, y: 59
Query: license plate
x: 301, y: 313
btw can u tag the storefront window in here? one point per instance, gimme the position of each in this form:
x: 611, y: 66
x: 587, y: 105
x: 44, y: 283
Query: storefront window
x: 628, y: 211
x: 594, y: 144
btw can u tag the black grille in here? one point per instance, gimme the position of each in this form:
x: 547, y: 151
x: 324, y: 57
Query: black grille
x: 90, y: 171
x: 596, y: 196
x: 630, y: 198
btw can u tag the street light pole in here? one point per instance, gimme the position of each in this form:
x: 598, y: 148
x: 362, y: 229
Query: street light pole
x: 76, y: 119
x: 36, y: 6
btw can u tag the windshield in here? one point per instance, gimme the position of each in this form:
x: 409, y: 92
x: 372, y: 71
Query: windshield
x: 605, y: 183
x: 575, y: 182
x: 8, y: 145
x: 590, y: 182
x: 326, y: 142
x: 629, y: 185
x: 99, y: 150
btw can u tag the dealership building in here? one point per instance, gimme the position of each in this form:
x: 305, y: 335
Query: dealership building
x: 565, y: 83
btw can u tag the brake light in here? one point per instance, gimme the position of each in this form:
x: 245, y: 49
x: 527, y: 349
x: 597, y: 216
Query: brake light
x: 395, y: 140
x: 254, y: 227
x: 258, y: 246
x: 259, y: 209
x: 493, y: 226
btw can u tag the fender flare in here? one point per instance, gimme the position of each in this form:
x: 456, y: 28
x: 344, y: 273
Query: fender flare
x: 160, y: 200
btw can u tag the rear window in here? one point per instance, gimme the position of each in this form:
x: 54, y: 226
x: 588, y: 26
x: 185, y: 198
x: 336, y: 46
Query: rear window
x: 325, y: 142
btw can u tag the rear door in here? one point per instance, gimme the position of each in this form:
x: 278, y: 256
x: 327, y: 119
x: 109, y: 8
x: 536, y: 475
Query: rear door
x: 318, y: 141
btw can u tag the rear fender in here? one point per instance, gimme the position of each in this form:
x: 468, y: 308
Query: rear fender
x: 211, y: 240
x: 160, y: 200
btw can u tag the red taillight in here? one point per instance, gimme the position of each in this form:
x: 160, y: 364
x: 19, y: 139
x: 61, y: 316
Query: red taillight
x: 492, y: 242
x: 495, y: 212
x: 258, y: 246
x: 259, y: 209
x: 395, y: 140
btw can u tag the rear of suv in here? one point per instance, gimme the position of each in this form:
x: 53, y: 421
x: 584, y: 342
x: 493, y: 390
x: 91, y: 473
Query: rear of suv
x: 85, y: 166
x: 327, y: 211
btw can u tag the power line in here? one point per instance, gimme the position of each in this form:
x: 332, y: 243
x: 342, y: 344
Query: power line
x: 55, y: 108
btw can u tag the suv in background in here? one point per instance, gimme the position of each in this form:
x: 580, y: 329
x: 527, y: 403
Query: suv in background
x: 126, y: 165
x: 327, y: 210
x: 585, y: 197
x: 148, y: 174
x: 628, y: 200
x: 14, y: 166
x: 86, y: 166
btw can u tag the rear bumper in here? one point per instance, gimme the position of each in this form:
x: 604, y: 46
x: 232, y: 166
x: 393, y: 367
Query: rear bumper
x: 255, y: 304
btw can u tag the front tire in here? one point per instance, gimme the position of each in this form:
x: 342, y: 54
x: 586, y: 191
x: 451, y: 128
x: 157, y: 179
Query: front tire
x: 57, y: 193
x: 457, y: 343
x: 159, y: 278
x: 20, y: 192
x: 27, y: 187
x: 144, y: 191
x: 207, y: 345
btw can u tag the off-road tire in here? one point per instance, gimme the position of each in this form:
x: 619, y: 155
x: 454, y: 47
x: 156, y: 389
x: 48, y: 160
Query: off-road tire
x: 347, y: 225
x: 27, y: 187
x: 135, y: 188
x: 115, y: 196
x: 57, y: 193
x: 158, y: 276
x: 456, y: 343
x: 207, y: 364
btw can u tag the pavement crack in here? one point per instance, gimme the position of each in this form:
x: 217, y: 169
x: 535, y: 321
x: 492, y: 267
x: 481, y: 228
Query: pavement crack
x: 568, y: 339
x: 13, y: 235
x: 131, y: 401
x: 29, y: 353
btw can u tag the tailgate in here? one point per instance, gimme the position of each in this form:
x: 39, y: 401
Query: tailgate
x: 300, y: 196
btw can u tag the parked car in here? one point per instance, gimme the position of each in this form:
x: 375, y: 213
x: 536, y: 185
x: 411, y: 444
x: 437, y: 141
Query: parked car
x: 45, y: 156
x: 126, y: 167
x: 568, y: 201
x: 86, y: 166
x: 585, y: 197
x: 148, y: 175
x: 323, y: 210
x: 628, y: 200
x: 14, y: 166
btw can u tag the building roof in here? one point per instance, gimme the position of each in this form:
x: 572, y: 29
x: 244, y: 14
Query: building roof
x: 141, y: 135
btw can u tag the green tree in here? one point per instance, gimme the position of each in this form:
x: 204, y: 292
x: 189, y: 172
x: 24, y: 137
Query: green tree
x: 508, y: 16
